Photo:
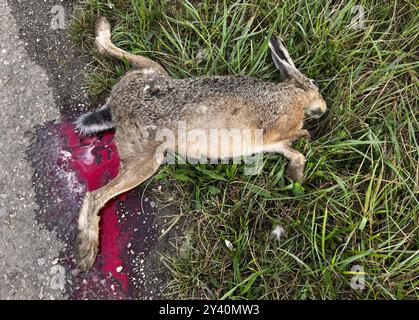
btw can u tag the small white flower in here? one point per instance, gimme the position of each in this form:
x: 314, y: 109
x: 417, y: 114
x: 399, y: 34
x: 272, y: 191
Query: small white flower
x: 278, y: 231
x: 229, y: 244
x: 110, y: 5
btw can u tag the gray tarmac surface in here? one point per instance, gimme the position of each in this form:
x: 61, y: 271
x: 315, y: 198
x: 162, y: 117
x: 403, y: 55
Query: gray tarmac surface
x: 28, y: 252
x: 40, y: 83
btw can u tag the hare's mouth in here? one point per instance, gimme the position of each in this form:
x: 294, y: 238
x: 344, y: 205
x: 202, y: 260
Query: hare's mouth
x: 315, y: 113
x: 316, y: 109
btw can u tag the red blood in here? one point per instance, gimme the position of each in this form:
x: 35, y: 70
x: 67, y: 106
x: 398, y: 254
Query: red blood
x: 66, y: 165
x: 95, y: 161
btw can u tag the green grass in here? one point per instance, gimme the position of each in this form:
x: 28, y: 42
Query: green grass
x: 358, y: 204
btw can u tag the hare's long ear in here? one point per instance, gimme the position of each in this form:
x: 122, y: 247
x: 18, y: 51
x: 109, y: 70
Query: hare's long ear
x: 282, y: 59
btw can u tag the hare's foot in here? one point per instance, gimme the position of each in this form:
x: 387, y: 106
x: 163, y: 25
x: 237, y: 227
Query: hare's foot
x: 297, y: 134
x: 295, y: 167
x: 303, y: 133
x: 103, y: 27
x: 87, y: 250
x: 88, y: 238
x: 295, y: 171
x: 132, y: 173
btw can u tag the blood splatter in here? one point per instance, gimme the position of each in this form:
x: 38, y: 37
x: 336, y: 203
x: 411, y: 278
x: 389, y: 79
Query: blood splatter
x: 66, y: 166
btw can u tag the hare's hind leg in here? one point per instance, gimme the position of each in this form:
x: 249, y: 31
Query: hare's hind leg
x: 105, y: 46
x: 132, y: 173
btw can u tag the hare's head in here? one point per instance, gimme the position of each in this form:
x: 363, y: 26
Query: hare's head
x: 316, y: 105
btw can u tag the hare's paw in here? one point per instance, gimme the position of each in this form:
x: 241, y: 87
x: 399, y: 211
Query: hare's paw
x: 102, y: 26
x: 87, y: 249
x: 295, y: 172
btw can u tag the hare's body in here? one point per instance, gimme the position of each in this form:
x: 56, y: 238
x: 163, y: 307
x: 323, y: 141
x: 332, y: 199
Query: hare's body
x: 204, y: 117
x: 232, y: 98
x: 206, y: 103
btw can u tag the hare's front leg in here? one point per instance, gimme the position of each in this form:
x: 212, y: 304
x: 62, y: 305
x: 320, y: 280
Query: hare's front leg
x: 295, y: 167
x: 133, y: 172
x: 283, y: 145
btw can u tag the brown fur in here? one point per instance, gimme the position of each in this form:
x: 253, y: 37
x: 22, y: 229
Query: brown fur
x: 147, y: 99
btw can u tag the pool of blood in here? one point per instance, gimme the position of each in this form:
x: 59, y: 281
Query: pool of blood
x: 66, y: 166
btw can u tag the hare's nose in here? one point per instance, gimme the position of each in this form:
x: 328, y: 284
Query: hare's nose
x: 317, y: 113
x: 316, y: 109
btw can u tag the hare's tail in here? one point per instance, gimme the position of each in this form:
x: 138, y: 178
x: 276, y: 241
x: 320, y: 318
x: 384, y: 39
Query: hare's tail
x: 94, y: 122
x: 105, y: 46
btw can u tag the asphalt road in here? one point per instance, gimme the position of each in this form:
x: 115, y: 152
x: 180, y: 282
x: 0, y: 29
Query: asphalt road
x: 40, y: 82
x: 40, y: 86
x: 28, y: 252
